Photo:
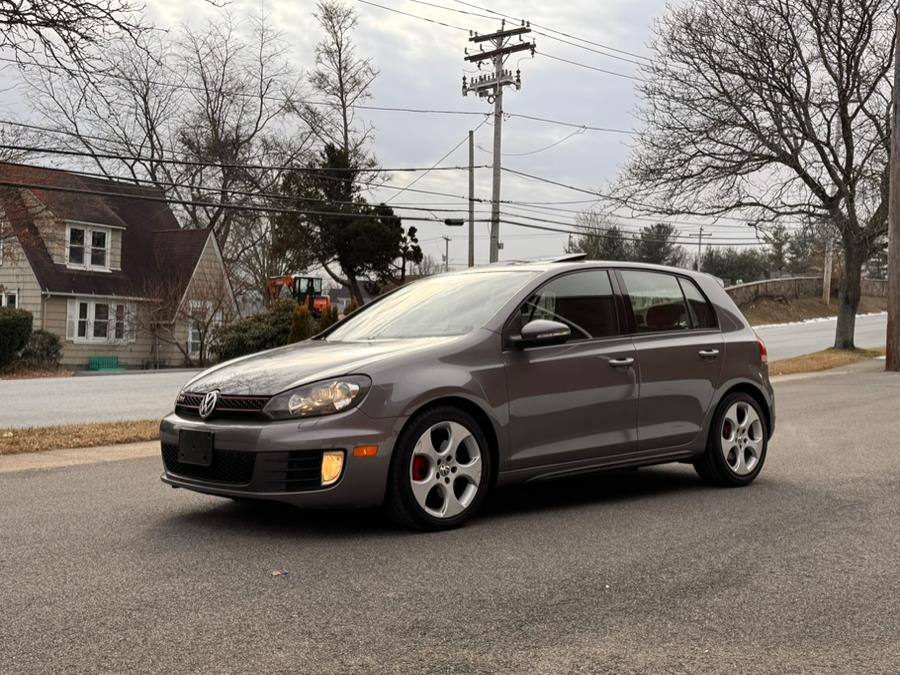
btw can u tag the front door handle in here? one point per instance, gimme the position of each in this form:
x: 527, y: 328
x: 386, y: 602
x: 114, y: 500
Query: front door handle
x: 709, y: 353
x: 621, y: 363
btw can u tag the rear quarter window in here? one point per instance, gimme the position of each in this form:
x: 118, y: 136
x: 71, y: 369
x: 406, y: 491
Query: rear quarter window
x: 702, y: 313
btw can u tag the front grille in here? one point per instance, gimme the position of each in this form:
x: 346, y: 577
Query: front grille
x: 228, y: 466
x: 227, y: 407
x: 292, y: 471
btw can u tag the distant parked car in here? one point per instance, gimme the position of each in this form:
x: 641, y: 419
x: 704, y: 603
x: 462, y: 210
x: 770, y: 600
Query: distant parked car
x: 430, y: 396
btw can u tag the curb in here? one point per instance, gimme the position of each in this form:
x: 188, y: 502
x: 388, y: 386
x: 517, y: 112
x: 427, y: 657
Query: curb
x: 55, y: 459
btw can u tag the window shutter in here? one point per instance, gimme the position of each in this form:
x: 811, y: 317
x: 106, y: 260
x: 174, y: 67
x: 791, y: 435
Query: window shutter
x: 71, y: 318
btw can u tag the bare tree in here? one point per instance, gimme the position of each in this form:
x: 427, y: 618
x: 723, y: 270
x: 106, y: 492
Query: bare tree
x: 343, y: 80
x: 66, y: 32
x: 184, y: 319
x: 772, y: 109
x: 197, y: 118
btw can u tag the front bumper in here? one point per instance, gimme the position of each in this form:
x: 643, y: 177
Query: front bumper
x: 253, y: 456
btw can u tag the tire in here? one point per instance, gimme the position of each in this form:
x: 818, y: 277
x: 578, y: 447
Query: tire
x: 436, y: 485
x: 737, y: 444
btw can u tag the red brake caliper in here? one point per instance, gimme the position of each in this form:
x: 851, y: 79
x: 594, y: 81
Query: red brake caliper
x: 419, y: 468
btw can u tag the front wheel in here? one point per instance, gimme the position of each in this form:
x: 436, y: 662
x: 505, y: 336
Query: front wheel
x: 738, y: 440
x: 440, y: 471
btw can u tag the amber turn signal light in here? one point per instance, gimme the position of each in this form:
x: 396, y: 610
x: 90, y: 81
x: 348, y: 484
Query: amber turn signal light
x: 365, y: 451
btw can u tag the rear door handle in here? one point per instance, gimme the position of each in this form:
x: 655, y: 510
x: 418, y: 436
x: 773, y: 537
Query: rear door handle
x: 709, y: 353
x: 621, y: 363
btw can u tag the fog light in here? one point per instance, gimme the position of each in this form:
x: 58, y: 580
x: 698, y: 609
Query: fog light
x: 332, y: 465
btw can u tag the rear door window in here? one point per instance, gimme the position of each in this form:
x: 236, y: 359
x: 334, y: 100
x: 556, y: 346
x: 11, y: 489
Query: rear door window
x: 584, y: 301
x: 657, y: 301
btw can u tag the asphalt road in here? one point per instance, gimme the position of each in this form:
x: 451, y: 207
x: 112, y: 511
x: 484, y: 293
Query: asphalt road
x: 130, y: 396
x: 102, y: 568
x: 796, y: 339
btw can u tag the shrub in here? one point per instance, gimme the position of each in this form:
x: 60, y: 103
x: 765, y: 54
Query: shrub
x: 352, y: 307
x: 265, y: 330
x: 302, y: 326
x: 42, y: 352
x: 15, y: 329
x: 329, y: 317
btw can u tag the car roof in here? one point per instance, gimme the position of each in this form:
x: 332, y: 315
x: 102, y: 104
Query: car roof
x: 571, y: 262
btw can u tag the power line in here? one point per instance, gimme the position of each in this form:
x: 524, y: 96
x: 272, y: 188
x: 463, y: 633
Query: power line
x: 448, y: 25
x: 586, y: 127
x: 537, y: 32
x: 191, y: 162
x: 132, y: 181
x: 590, y: 230
x: 584, y: 65
x: 435, y: 165
x: 558, y: 32
x: 539, y: 150
x: 413, y: 16
x: 603, y: 235
x: 600, y: 195
x: 192, y: 202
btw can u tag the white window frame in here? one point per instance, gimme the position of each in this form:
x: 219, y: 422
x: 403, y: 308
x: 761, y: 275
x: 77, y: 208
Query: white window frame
x: 4, y: 297
x: 73, y: 318
x: 193, y: 347
x: 89, y: 231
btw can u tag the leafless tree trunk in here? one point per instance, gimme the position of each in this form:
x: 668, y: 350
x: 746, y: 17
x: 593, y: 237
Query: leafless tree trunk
x: 778, y: 110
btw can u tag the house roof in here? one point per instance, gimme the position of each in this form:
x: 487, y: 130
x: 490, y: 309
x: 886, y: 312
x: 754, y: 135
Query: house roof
x: 153, y: 245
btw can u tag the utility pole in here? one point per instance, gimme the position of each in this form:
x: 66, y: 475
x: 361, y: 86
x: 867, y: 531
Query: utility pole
x: 491, y: 86
x: 447, y: 241
x: 892, y: 362
x: 699, y: 246
x: 471, y: 199
x: 826, y: 270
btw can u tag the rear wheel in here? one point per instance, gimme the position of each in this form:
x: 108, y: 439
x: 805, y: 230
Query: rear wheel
x: 738, y: 440
x: 440, y: 471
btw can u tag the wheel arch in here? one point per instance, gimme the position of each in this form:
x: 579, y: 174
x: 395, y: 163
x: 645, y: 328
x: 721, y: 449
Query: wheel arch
x: 476, y: 411
x: 755, y: 392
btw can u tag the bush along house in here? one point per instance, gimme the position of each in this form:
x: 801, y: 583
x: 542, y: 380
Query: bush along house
x: 105, y: 266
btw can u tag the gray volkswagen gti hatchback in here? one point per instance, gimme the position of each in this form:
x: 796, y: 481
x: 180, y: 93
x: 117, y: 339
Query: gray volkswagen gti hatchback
x: 430, y: 396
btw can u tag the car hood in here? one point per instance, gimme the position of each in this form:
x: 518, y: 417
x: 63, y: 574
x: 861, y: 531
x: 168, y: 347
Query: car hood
x: 270, y: 372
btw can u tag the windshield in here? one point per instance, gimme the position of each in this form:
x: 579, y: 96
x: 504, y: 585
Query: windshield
x: 435, y: 307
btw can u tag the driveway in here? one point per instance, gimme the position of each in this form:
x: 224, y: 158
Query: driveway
x: 106, y: 569
x: 94, y: 398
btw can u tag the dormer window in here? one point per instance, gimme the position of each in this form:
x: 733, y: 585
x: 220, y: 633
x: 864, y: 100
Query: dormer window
x: 87, y: 248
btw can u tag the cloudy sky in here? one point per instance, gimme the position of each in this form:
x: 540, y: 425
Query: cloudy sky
x: 421, y: 66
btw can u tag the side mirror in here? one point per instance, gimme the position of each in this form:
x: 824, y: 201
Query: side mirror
x: 540, y: 333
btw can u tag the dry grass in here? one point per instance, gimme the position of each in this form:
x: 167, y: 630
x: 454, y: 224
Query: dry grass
x: 33, y: 374
x: 824, y: 360
x: 36, y: 439
x: 772, y: 310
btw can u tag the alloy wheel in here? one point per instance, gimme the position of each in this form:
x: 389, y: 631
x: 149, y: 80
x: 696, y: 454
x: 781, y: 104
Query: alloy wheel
x: 445, y: 469
x: 742, y: 438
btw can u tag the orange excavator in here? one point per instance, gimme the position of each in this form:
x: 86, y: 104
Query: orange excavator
x: 304, y: 290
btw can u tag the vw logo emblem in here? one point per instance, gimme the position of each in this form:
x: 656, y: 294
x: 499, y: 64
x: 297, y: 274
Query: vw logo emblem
x: 208, y: 404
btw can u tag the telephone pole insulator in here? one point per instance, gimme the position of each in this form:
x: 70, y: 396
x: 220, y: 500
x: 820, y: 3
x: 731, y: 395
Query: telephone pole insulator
x: 490, y: 86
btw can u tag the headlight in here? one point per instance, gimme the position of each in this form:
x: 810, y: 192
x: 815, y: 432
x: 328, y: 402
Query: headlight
x: 319, y: 398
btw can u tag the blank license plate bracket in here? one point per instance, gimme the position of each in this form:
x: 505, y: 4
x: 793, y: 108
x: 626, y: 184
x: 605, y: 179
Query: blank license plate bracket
x: 195, y: 447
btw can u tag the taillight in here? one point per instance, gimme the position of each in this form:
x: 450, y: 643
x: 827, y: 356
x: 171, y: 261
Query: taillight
x: 763, y: 350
